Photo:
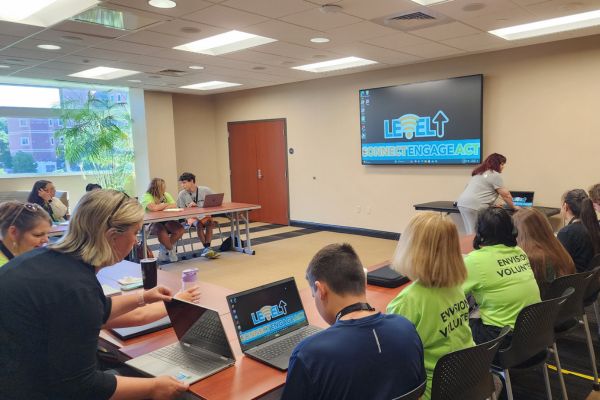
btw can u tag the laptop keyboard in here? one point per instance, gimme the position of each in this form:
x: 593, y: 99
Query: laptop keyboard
x: 286, y: 344
x: 174, y: 354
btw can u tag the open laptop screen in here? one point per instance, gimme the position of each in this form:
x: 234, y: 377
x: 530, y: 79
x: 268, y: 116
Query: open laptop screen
x: 522, y: 198
x: 199, y: 327
x: 266, y: 312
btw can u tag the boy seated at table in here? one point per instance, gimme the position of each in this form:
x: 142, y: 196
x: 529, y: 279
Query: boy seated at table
x: 193, y: 195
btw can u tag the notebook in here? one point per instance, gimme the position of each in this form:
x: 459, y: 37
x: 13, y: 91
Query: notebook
x: 213, y: 200
x: 202, y: 349
x: 135, y: 331
x: 522, y: 198
x: 270, y: 321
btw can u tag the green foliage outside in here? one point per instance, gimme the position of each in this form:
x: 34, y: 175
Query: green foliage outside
x: 23, y: 163
x: 5, y: 157
x: 96, y: 136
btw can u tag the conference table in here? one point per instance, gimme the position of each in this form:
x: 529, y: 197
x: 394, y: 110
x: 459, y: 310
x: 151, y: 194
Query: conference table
x: 449, y: 207
x: 247, y: 379
x: 234, y: 211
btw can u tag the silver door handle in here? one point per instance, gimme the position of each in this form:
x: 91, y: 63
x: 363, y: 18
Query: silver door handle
x: 259, y: 174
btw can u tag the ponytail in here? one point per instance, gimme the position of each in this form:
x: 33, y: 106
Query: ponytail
x: 590, y: 221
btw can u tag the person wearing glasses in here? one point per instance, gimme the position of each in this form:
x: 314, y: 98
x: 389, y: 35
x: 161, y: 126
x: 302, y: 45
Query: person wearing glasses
x: 156, y: 198
x: 52, y: 309
x: 43, y: 193
x: 23, y: 227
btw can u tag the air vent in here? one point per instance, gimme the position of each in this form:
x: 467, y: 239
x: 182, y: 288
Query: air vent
x: 412, y: 17
x: 416, y: 19
x: 171, y: 72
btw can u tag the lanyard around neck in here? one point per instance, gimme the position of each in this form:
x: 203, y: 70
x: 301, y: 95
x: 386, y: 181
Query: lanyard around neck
x: 352, y: 308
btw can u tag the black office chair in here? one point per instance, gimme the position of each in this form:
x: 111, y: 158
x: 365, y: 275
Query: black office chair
x: 465, y: 374
x: 414, y: 394
x: 531, y: 338
x: 593, y: 290
x: 572, y: 312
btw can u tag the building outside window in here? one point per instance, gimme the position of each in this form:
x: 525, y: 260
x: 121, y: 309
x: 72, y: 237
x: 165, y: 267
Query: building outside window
x: 24, y: 141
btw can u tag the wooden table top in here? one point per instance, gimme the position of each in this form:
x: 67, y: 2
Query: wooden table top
x: 159, y: 216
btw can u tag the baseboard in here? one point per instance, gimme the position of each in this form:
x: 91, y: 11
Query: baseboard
x: 347, y: 229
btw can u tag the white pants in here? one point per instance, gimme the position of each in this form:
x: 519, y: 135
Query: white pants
x: 469, y: 217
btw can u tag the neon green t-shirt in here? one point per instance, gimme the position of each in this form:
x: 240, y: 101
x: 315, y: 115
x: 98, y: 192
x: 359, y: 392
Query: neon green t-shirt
x: 148, y: 199
x: 502, y: 282
x: 441, y: 316
x: 3, y: 259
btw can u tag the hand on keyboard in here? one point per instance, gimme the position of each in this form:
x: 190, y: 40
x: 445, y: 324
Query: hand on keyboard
x: 167, y: 388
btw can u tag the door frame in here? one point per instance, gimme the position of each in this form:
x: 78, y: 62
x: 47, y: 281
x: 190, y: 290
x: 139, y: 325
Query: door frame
x: 287, y: 175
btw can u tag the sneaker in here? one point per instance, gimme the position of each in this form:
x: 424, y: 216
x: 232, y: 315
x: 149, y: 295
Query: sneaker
x: 173, y: 256
x: 163, y: 254
x: 210, y: 253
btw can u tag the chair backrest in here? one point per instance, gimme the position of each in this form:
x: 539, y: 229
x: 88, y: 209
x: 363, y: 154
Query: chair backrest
x: 413, y: 394
x: 534, y: 331
x: 573, y: 307
x: 593, y: 287
x: 595, y: 261
x: 465, y: 374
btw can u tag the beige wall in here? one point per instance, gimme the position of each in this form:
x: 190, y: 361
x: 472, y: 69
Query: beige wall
x: 195, y: 139
x: 540, y: 108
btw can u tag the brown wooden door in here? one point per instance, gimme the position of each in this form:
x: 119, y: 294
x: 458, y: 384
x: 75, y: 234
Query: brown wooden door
x: 258, y: 163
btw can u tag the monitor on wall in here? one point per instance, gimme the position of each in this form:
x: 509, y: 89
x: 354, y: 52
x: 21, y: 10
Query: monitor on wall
x: 425, y: 123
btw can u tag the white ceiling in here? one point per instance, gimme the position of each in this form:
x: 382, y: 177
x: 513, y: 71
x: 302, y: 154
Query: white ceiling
x: 359, y: 29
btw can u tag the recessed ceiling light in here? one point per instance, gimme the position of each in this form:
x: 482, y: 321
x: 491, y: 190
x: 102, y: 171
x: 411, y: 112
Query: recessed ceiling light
x: 473, y: 7
x: 548, y: 26
x: 189, y: 29
x: 330, y: 8
x: 225, y: 43
x: 162, y: 3
x: 429, y: 2
x: 319, y: 40
x: 42, y: 12
x: 104, y: 73
x: 196, y: 67
x: 134, y: 80
x: 333, y: 65
x: 4, y: 66
x: 212, y: 85
x: 48, y: 47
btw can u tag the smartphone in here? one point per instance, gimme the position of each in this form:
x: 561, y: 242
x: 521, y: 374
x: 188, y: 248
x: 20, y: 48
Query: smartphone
x: 131, y: 286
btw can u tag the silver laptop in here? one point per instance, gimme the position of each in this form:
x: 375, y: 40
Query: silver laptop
x: 213, y: 200
x: 202, y: 349
x: 270, y: 321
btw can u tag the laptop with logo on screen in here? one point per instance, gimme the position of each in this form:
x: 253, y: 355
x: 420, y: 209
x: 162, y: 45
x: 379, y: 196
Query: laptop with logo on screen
x: 270, y: 321
x: 522, y: 198
x: 213, y: 200
x: 202, y: 349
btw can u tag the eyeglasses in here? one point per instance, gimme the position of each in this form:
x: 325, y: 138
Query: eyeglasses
x: 112, y: 214
x: 31, y: 207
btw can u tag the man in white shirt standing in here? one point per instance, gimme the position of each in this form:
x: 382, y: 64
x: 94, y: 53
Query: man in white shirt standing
x: 193, y: 195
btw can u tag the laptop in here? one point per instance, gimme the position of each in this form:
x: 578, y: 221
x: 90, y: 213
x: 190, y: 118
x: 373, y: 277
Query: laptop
x: 270, y: 321
x: 135, y: 331
x: 202, y: 349
x: 213, y: 200
x: 522, y: 198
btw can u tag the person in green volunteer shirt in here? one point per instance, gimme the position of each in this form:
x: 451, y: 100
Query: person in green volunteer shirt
x: 500, y: 277
x: 429, y: 254
x: 169, y: 232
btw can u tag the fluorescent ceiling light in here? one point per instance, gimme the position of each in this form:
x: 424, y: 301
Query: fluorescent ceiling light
x: 104, y: 73
x: 210, y: 85
x: 134, y: 80
x: 196, y: 67
x: 48, y: 47
x: 225, y: 43
x: 4, y: 66
x: 333, y: 65
x: 319, y: 40
x: 42, y: 12
x: 548, y: 26
x: 162, y: 3
x: 429, y: 2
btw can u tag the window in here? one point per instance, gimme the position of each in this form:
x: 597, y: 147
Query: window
x: 23, y: 123
x: 24, y: 141
x: 52, y: 141
x: 118, y: 98
x: 50, y: 123
x: 61, y: 140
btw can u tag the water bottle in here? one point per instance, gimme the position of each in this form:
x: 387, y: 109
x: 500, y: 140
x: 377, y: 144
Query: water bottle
x: 189, y: 279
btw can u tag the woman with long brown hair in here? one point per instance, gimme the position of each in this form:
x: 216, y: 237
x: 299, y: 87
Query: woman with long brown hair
x: 156, y: 198
x: 547, y: 256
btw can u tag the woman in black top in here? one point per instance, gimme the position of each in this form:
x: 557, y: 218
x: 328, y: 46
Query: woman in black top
x: 581, y: 235
x: 43, y: 194
x: 52, y: 309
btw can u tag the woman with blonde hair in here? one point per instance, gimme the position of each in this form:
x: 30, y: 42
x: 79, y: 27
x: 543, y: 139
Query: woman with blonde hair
x: 52, y: 309
x: 156, y: 198
x: 23, y: 227
x: 428, y: 253
x: 547, y: 256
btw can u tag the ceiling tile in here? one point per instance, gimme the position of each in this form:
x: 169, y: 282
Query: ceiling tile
x: 557, y: 8
x: 154, y: 39
x: 292, y: 50
x: 432, y: 50
x: 8, y: 40
x: 20, y: 30
x: 187, y: 29
x: 464, y: 9
x: 15, y: 52
x: 225, y: 17
x: 183, y: 6
x: 377, y: 8
x: 478, y: 42
x: 284, y: 31
x: 318, y: 20
x: 31, y: 44
x: 500, y: 19
x: 396, y: 41
x: 445, y: 31
x: 270, y: 8
x: 361, y: 31
x: 374, y: 53
x: 128, y: 47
